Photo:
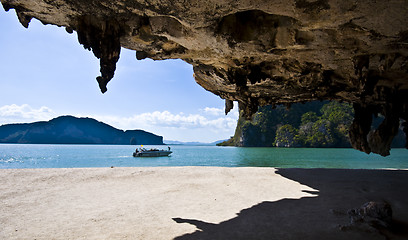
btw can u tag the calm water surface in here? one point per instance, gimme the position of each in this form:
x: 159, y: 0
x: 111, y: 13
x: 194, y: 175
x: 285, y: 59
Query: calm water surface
x: 76, y: 156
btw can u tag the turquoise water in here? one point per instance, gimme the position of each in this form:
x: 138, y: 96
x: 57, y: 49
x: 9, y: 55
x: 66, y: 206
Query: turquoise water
x: 76, y: 156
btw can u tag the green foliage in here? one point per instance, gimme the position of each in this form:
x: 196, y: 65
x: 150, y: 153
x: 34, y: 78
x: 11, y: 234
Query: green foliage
x: 338, y: 113
x: 314, y: 124
x: 229, y: 142
x: 328, y: 130
x: 261, y: 131
x: 322, y: 135
x: 286, y: 136
x: 309, y: 117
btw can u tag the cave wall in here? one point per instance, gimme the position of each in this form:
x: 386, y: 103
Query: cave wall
x: 258, y: 52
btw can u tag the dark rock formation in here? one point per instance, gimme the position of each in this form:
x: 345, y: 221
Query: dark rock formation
x: 372, y: 217
x: 102, y: 36
x: 373, y: 213
x: 258, y: 52
x: 72, y: 130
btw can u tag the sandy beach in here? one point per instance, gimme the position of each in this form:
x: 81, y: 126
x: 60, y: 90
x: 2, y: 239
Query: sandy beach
x: 196, y: 203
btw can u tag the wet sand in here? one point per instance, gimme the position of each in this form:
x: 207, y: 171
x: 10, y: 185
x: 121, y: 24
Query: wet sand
x: 196, y: 203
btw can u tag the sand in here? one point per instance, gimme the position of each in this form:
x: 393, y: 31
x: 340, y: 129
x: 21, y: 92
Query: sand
x: 196, y: 203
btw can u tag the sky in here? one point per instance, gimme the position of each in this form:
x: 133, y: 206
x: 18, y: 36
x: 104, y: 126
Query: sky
x: 46, y: 73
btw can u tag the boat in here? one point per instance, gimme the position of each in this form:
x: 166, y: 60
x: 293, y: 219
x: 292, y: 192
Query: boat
x: 154, y: 152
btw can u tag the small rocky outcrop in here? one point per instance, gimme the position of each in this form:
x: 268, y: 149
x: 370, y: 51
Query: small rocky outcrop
x: 376, y: 214
x: 259, y: 52
x: 372, y: 217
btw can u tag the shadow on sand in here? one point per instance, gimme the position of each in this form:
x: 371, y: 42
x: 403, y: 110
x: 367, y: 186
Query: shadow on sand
x: 320, y: 217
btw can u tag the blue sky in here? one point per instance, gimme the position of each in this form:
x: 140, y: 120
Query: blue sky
x: 46, y: 73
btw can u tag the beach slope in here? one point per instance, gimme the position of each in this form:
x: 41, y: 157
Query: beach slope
x: 196, y: 203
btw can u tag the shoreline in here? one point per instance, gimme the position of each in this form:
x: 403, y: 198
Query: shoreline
x: 194, y: 202
x: 193, y: 166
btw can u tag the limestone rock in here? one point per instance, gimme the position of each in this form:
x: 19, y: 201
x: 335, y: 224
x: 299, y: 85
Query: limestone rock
x: 258, y: 52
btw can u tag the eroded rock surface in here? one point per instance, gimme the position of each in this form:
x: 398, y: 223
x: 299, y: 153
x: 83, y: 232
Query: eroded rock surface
x: 379, y: 212
x: 258, y: 52
x: 370, y: 217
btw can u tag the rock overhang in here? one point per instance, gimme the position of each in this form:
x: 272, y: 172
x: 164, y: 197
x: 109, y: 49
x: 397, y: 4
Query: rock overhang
x: 259, y: 52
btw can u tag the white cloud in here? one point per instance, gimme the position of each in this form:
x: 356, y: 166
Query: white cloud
x: 24, y: 113
x: 203, y: 127
x: 169, y: 120
x: 214, y: 111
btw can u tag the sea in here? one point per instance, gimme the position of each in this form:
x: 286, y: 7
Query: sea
x: 16, y: 156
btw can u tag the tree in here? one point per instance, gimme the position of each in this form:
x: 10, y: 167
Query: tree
x: 314, y: 124
x: 309, y: 117
x: 322, y: 134
x: 286, y: 136
x: 337, y: 113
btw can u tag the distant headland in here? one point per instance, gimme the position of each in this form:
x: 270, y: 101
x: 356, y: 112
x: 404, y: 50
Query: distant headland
x: 73, y: 130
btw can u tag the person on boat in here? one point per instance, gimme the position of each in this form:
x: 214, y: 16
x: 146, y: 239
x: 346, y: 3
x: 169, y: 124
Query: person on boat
x: 169, y: 148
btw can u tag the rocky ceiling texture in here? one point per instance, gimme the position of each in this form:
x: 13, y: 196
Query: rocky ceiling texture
x: 258, y: 52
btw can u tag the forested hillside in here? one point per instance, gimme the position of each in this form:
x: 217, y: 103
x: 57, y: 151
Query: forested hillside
x: 72, y: 130
x: 314, y: 124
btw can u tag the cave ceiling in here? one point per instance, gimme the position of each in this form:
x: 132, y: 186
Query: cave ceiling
x: 258, y: 52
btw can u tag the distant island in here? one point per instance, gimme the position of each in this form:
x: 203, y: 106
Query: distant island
x: 73, y: 130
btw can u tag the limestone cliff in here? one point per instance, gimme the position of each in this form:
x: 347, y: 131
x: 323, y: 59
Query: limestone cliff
x: 313, y: 124
x: 258, y: 52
